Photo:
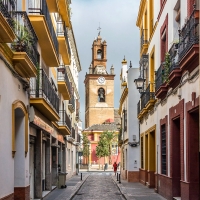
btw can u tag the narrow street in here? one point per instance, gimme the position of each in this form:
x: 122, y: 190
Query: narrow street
x: 99, y: 186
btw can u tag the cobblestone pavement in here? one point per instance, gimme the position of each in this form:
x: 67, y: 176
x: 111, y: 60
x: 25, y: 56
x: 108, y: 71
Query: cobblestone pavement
x: 99, y: 186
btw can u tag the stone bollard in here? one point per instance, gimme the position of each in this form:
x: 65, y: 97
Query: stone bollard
x: 81, y: 177
x: 117, y: 177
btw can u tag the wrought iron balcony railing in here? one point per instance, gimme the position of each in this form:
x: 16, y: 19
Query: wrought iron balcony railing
x: 42, y: 88
x: 73, y: 133
x: 143, y: 100
x: 62, y: 76
x: 147, y: 96
x: 189, y: 34
x: 72, y: 103
x: 39, y: 7
x: 26, y: 38
x: 62, y: 31
x: 64, y: 119
x: 173, y: 52
x: 159, y: 76
x: 138, y: 108
x: 143, y: 39
x: 8, y: 8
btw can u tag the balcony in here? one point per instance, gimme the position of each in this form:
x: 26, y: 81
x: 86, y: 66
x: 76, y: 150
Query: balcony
x: 161, y: 86
x: 71, y: 105
x: 7, y: 9
x: 41, y: 21
x: 64, y: 124
x: 147, y: 99
x: 63, y: 41
x: 43, y: 96
x: 25, y: 54
x: 143, y: 42
x: 174, y: 69
x: 64, y: 10
x: 52, y: 6
x: 64, y: 86
x: 189, y: 43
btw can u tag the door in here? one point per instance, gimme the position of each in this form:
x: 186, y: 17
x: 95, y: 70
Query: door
x: 31, y: 170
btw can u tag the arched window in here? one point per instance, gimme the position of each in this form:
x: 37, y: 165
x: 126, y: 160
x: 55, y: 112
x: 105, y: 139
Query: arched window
x: 101, y: 95
x: 99, y: 54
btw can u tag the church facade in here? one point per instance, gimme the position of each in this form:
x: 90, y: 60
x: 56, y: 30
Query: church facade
x: 99, y: 99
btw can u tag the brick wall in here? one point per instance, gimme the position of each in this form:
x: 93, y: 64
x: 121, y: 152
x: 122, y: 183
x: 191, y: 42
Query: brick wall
x: 22, y: 193
x: 8, y: 197
x: 165, y: 186
x: 133, y: 176
x: 143, y: 176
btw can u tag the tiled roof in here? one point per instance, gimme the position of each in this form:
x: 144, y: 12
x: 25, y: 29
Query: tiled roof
x: 102, y: 127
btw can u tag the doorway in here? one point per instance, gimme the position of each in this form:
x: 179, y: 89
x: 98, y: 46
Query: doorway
x: 31, y: 170
x: 19, y: 158
x: 176, y: 158
x: 193, y: 176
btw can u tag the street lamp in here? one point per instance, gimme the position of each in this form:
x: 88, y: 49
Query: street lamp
x: 139, y: 82
x: 88, y: 144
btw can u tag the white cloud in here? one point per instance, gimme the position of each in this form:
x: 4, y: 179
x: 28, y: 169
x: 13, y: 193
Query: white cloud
x: 118, y: 22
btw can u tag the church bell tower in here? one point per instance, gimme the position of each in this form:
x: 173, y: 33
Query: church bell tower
x: 99, y: 86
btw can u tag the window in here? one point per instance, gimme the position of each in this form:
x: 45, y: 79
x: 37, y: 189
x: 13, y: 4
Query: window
x: 68, y: 156
x: 114, y: 149
x: 164, y: 39
x: 99, y: 54
x: 101, y: 95
x: 125, y: 120
x: 163, y: 150
x: 142, y: 153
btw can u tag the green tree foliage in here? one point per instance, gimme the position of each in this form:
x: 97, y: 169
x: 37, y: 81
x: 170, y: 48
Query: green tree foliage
x: 104, y: 147
x: 166, y: 69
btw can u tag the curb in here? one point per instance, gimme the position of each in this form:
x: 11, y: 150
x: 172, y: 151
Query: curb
x: 78, y: 186
x: 120, y: 189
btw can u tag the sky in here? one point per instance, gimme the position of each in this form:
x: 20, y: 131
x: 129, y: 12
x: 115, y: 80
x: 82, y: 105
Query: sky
x: 117, y: 20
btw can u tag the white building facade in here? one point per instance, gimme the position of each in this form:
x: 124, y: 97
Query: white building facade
x: 40, y: 67
x: 129, y: 136
x: 169, y: 106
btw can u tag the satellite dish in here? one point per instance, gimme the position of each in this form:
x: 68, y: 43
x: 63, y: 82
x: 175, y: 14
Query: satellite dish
x: 31, y: 114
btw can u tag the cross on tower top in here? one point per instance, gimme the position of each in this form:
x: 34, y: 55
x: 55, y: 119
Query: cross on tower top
x: 99, y: 29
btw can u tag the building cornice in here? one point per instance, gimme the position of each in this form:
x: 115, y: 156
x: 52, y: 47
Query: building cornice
x: 96, y: 76
x: 71, y: 78
x: 123, y: 97
x: 74, y: 48
x: 140, y: 12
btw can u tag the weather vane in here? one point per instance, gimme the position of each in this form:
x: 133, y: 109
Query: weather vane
x: 99, y: 29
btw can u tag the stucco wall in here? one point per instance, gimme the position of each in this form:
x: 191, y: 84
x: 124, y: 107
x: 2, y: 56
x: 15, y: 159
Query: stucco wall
x: 11, y: 89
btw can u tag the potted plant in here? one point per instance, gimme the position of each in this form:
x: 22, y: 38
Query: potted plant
x: 24, y: 38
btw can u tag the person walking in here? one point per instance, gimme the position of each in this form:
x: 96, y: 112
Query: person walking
x: 115, y: 167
